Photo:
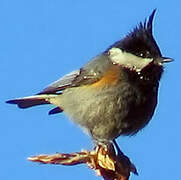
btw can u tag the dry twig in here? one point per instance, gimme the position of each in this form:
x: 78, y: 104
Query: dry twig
x: 103, y: 160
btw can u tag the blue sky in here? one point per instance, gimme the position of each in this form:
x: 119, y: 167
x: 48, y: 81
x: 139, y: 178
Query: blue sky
x: 42, y: 40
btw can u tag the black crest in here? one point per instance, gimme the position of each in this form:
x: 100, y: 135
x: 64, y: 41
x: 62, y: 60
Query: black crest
x: 141, y: 41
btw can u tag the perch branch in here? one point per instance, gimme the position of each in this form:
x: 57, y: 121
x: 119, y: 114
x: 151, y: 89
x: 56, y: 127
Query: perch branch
x: 103, y: 159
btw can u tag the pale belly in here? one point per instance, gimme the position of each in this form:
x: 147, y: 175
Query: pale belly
x: 105, y: 114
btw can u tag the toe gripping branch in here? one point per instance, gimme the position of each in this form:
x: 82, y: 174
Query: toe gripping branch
x: 103, y: 159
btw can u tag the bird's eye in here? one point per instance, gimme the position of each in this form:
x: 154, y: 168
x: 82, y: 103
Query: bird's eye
x: 141, y: 54
x: 145, y: 54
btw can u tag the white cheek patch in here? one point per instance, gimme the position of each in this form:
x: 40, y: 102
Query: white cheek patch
x: 128, y: 60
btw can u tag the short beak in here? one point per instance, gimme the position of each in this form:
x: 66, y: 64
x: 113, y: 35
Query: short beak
x: 162, y: 60
x: 166, y: 60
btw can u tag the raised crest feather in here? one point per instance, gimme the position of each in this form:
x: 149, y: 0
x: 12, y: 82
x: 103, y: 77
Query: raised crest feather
x: 140, y: 40
x: 149, y: 23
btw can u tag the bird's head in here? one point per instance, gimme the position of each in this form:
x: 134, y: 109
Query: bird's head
x: 139, y: 51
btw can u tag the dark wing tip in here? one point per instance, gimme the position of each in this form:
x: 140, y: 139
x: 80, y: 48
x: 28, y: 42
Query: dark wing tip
x: 51, y: 90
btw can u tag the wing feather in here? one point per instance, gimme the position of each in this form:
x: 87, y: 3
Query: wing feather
x: 90, y: 73
x: 62, y: 83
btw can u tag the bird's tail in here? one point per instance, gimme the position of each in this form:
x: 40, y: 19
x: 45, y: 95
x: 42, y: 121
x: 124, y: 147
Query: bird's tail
x: 29, y: 101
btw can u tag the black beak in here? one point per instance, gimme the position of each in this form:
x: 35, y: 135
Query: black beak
x: 162, y: 60
x: 166, y: 60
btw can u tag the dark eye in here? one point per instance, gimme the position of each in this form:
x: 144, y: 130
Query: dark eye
x: 145, y: 54
x: 141, y: 54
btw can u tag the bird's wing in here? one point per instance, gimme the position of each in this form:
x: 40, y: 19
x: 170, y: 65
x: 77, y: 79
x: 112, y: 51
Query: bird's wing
x: 90, y: 73
x: 62, y: 83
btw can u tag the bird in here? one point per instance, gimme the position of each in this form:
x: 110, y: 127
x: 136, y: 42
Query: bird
x: 113, y: 94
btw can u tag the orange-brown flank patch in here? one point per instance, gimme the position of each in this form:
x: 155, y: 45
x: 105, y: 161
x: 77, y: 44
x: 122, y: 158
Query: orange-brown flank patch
x: 110, y: 77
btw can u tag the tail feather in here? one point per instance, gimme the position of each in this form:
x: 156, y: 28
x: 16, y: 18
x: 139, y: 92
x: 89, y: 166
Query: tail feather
x: 30, y: 101
x: 55, y: 111
x: 26, y: 103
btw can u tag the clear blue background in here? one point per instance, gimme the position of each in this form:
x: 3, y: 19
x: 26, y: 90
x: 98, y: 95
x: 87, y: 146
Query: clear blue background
x: 42, y: 40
